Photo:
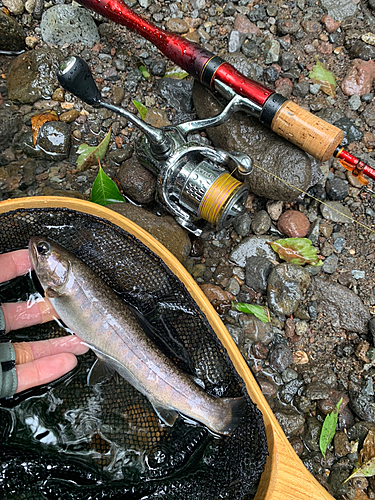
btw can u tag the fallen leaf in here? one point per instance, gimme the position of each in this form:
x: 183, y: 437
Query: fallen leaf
x: 300, y: 358
x: 297, y: 251
x: 329, y: 429
x: 142, y: 110
x: 365, y: 466
x: 146, y: 75
x: 260, y: 312
x: 38, y: 120
x: 325, y: 78
x: 104, y: 190
x: 89, y: 155
x: 176, y: 73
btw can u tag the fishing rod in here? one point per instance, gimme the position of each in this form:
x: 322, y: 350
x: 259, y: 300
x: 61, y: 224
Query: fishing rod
x: 295, y: 124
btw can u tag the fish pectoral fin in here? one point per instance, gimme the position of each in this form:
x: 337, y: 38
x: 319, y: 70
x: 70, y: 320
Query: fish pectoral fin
x: 100, y: 372
x: 166, y: 415
x: 51, y: 293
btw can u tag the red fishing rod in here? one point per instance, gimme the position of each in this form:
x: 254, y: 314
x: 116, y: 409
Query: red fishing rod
x: 310, y: 133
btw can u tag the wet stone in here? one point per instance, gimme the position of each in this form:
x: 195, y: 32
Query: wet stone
x: 137, y: 181
x: 291, y: 422
x: 287, y: 61
x: 54, y: 140
x: 177, y: 25
x: 12, y: 36
x: 10, y: 123
x: 343, y: 306
x: 286, y: 285
x: 250, y: 49
x: 257, y: 272
x: 337, y: 189
x: 336, y: 481
x: 359, y: 78
x: 303, y: 404
x: 351, y: 133
x: 242, y: 224
x: 281, y: 357
x: 290, y: 390
x: 268, y: 387
x: 288, y: 375
x: 32, y: 75
x: 297, y: 445
x: 252, y: 246
x: 236, y: 39
x: 255, y: 330
x: 363, y: 406
x: 311, y: 433
x: 335, y: 211
x: 178, y: 93
x: 293, y: 224
x: 261, y: 223
x: 317, y: 390
x: 301, y: 89
x: 157, y: 68
x: 68, y: 24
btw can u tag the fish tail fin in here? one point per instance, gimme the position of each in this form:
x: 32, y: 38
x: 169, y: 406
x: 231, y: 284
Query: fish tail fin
x: 238, y: 407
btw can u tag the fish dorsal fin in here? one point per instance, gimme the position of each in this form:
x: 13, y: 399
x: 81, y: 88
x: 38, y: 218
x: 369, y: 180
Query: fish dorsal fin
x: 166, y: 415
x: 100, y: 372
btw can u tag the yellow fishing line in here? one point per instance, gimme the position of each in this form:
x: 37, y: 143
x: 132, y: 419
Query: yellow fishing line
x: 313, y: 197
x: 215, y: 198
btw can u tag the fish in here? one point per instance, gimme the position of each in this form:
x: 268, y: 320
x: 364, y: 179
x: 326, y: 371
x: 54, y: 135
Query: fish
x: 96, y: 314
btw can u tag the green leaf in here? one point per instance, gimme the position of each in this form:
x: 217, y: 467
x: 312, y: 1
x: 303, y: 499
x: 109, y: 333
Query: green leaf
x: 145, y: 73
x: 104, y: 191
x: 142, y: 110
x: 325, y: 78
x: 329, y: 429
x: 297, y: 251
x: 260, y: 312
x: 89, y: 155
x: 177, y: 73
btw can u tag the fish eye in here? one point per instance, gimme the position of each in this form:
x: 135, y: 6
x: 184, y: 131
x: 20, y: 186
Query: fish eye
x: 43, y: 247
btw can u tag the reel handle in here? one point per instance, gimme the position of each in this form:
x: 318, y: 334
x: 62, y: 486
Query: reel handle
x: 75, y: 76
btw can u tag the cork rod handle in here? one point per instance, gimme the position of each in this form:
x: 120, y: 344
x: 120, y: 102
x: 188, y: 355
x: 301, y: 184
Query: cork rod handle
x: 307, y: 131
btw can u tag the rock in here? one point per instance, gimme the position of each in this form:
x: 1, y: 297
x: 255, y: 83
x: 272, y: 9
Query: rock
x: 363, y: 406
x: 291, y: 422
x: 339, y: 9
x: 281, y: 357
x: 15, y: 7
x: 178, y: 93
x: 244, y: 25
x: 242, y: 224
x: 236, y: 39
x: 137, y: 181
x: 336, y: 480
x: 10, y: 123
x: 334, y: 211
x: 344, y: 308
x: 215, y: 293
x: 261, y: 223
x: 165, y: 229
x: 257, y: 272
x: 361, y: 50
x: 286, y: 285
x: 268, y: 387
x: 311, y: 433
x: 330, y: 24
x: 70, y: 24
x: 369, y: 114
x: 330, y: 264
x: 176, y: 25
x: 244, y: 133
x: 32, y: 75
x: 337, y: 189
x: 255, y: 330
x: 53, y: 142
x: 12, y: 36
x: 289, y: 390
x: 274, y: 209
x: 317, y: 390
x: 359, y: 78
x: 293, y: 224
x: 341, y: 444
x: 252, y: 246
x: 69, y: 116
x: 351, y: 132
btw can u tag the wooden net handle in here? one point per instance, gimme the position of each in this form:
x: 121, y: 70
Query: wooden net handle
x: 312, y: 134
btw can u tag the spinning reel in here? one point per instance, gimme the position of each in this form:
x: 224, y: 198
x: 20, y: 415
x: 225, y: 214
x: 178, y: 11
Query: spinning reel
x: 192, y: 181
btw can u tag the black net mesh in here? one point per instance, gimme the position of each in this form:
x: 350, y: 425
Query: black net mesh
x: 75, y: 441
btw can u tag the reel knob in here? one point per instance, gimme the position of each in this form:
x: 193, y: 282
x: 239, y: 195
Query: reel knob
x: 75, y: 76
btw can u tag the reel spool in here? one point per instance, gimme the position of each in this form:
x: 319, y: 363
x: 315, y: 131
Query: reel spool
x: 192, y: 181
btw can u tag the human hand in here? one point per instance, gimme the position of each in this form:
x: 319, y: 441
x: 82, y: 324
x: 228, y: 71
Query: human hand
x: 38, y: 362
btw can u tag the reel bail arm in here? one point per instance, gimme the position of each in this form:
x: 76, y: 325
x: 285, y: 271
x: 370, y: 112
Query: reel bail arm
x: 192, y: 183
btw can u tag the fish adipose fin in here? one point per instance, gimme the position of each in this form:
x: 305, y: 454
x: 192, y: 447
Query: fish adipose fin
x: 238, y: 410
x: 166, y: 415
x: 100, y: 372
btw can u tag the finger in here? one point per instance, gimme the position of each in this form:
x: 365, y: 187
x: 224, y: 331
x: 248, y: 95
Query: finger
x: 30, y: 351
x: 22, y: 314
x: 14, y: 264
x: 44, y: 370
